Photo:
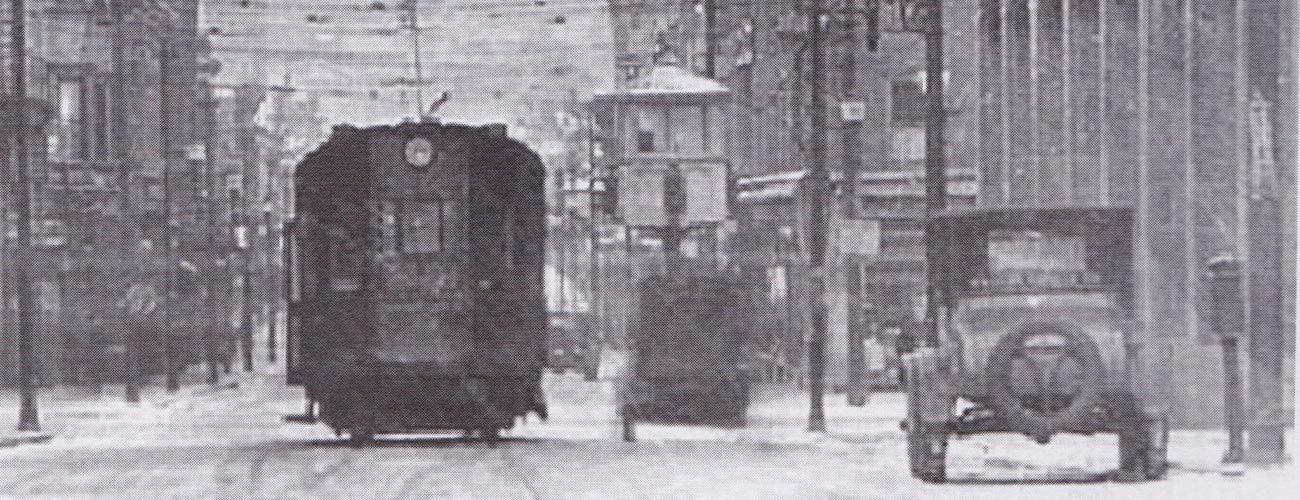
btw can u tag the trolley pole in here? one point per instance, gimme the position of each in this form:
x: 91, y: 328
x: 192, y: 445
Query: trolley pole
x: 815, y: 197
x: 27, y: 416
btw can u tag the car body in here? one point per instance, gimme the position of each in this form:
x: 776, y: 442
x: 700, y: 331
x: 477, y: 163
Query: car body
x: 1033, y: 331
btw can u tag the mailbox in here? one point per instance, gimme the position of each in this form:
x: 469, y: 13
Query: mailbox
x: 1227, y: 311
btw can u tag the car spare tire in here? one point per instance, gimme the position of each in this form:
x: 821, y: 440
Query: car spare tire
x: 1043, y: 376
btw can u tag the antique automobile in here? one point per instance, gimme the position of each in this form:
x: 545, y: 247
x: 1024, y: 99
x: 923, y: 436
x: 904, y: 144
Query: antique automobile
x: 415, y: 280
x: 1033, y: 333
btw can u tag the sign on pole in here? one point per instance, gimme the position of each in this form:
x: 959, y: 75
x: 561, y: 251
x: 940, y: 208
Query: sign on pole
x: 706, y: 192
x: 641, y: 194
x: 853, y: 111
x: 858, y: 236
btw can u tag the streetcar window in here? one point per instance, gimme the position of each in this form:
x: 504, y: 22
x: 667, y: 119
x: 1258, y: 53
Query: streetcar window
x: 421, y: 227
x: 346, y: 261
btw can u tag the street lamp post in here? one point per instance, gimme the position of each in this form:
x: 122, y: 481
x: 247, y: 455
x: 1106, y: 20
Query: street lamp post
x: 27, y: 416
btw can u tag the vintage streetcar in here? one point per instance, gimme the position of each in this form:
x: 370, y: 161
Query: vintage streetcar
x: 1034, y: 334
x: 415, y: 281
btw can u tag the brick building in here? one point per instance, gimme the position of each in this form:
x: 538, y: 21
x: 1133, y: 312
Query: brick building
x: 121, y: 87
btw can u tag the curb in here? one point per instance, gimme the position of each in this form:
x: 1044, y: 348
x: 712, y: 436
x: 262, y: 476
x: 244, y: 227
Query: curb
x: 24, y: 438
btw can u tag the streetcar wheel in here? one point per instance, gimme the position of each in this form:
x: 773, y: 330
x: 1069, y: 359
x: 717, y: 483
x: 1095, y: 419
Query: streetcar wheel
x: 361, y: 437
x: 490, y: 434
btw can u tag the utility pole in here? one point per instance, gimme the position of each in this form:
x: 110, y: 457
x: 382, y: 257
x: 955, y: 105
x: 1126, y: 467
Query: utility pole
x: 815, y: 198
x: 165, y: 112
x: 209, y: 200
x: 1267, y: 429
x: 858, y: 383
x: 926, y: 16
x: 28, y: 419
x: 710, y: 38
x: 121, y: 150
x: 272, y: 299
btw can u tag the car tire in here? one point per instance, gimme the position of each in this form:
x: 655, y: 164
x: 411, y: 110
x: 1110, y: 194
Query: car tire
x: 1041, y: 425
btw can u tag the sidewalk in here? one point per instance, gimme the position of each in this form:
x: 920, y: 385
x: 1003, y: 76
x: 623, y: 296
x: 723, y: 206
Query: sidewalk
x: 68, y: 413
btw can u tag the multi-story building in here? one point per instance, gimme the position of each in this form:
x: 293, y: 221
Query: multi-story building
x: 121, y: 83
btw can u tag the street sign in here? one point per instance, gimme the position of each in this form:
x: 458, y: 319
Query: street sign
x: 1263, y: 176
x: 706, y: 192
x: 140, y: 300
x: 641, y: 195
x: 858, y: 236
x: 853, y: 111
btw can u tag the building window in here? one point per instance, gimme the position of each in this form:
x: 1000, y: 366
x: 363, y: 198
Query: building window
x: 651, y: 128
x: 67, y: 142
x: 908, y: 103
x: 645, y: 141
x: 687, y: 126
x: 346, y: 260
x: 102, y: 123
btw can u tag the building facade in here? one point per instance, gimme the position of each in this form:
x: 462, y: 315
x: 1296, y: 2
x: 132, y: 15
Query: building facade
x: 120, y: 150
x: 1176, y: 108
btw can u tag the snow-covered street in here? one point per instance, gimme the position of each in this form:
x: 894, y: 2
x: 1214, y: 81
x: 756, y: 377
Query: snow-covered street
x: 229, y: 442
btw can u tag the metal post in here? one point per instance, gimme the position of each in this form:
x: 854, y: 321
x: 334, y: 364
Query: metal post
x: 858, y: 378
x: 215, y: 317
x: 815, y: 197
x: 1232, y: 403
x: 164, y: 106
x: 268, y: 284
x: 245, y: 253
x: 1227, y: 315
x: 597, y: 316
x: 710, y: 25
x: 121, y: 152
x: 936, y: 180
x: 627, y: 412
x: 27, y: 416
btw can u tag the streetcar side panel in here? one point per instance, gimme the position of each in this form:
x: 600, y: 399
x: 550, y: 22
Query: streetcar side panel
x: 507, y: 214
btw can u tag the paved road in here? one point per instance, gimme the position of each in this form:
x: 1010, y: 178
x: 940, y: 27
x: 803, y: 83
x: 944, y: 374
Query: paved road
x: 230, y: 444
